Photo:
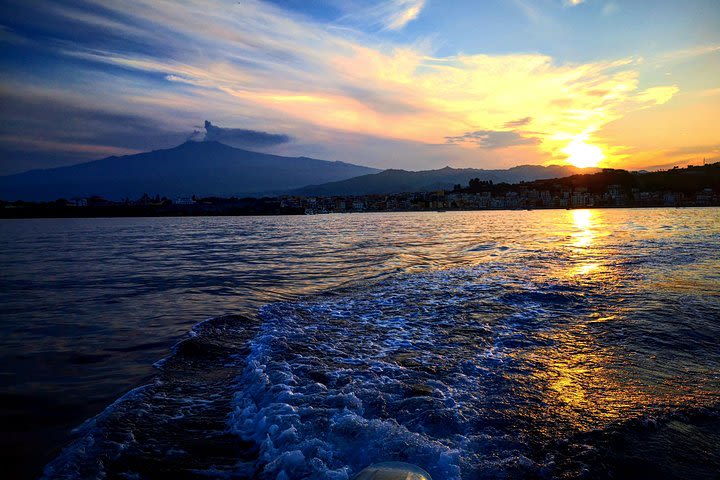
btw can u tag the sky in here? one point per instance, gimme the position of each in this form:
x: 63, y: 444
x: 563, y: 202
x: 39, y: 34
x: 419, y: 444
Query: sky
x: 413, y: 84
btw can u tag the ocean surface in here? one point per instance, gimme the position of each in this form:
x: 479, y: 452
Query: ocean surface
x: 477, y: 345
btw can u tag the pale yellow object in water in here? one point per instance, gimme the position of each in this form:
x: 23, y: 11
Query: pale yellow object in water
x: 392, y: 471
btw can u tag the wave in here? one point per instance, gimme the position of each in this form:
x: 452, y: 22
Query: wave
x: 175, y: 425
x: 479, y: 372
x: 466, y: 378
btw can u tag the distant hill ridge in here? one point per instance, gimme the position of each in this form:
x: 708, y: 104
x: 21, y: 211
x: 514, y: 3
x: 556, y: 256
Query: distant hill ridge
x: 213, y: 168
x: 401, y: 181
x: 193, y: 168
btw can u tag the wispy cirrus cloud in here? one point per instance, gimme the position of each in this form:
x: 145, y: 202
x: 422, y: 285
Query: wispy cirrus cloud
x: 385, y: 14
x: 404, y: 12
x: 685, y: 54
x: 491, y: 139
x: 520, y: 122
x: 253, y: 64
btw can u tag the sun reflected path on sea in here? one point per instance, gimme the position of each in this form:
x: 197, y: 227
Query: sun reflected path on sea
x: 567, y: 320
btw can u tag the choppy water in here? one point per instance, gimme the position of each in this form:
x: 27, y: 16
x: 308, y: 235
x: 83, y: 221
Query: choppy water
x: 542, y: 344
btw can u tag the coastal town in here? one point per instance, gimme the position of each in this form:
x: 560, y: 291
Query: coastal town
x: 513, y: 199
x: 687, y: 187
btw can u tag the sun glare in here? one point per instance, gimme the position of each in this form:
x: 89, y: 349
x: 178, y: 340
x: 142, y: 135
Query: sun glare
x: 582, y: 154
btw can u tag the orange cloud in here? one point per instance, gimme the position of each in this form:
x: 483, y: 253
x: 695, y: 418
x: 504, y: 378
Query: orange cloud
x: 280, y: 68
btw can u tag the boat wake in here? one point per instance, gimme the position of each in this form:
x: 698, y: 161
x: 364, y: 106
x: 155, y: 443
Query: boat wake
x: 469, y: 373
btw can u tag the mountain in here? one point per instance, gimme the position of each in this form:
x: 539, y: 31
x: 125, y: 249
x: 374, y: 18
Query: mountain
x: 399, y: 181
x: 199, y: 168
x: 690, y: 180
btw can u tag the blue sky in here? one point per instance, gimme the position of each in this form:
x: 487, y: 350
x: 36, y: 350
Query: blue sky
x: 392, y: 84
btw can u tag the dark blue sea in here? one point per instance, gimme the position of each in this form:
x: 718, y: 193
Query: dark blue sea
x: 477, y: 345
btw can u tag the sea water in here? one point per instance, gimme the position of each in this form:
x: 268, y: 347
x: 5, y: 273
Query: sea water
x: 524, y: 344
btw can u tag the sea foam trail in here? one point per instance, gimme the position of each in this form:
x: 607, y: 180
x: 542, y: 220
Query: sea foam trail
x: 541, y: 370
x: 469, y: 373
x: 392, y: 373
x: 316, y: 426
x: 333, y: 385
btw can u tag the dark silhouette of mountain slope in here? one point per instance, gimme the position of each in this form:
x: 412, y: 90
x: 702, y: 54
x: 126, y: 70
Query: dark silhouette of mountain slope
x: 399, y: 181
x: 200, y: 168
x: 689, y: 180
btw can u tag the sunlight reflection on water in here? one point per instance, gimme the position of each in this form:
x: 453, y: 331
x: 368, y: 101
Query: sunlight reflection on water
x: 579, y: 318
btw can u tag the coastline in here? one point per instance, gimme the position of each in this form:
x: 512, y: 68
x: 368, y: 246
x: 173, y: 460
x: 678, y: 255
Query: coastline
x: 20, y: 213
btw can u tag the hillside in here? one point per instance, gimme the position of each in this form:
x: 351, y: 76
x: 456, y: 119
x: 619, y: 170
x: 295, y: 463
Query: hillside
x: 399, y: 181
x: 685, y: 180
x: 193, y: 168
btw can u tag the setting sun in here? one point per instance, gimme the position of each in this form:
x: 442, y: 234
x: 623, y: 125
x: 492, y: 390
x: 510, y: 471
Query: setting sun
x: 582, y: 154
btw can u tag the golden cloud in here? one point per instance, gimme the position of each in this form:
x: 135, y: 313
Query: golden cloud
x: 275, y: 65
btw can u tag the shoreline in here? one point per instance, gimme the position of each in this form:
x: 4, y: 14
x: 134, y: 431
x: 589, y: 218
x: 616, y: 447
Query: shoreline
x: 23, y: 213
